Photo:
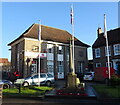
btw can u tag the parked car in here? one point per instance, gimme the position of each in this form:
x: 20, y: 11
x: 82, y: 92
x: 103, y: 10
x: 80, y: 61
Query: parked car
x: 6, y: 84
x: 45, y: 79
x: 102, y: 74
x: 88, y: 76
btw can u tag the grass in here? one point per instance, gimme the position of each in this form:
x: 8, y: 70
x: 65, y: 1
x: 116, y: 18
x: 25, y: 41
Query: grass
x: 27, y: 91
x: 108, y: 91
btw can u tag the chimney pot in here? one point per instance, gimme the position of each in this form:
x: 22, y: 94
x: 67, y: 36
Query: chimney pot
x: 99, y: 31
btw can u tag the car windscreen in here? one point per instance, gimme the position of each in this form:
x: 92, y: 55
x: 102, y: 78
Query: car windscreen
x: 35, y: 76
x: 88, y: 73
x: 27, y: 77
x: 49, y: 75
x: 42, y: 75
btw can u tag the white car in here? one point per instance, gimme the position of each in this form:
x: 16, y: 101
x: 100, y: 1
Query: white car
x: 88, y: 76
x: 45, y: 79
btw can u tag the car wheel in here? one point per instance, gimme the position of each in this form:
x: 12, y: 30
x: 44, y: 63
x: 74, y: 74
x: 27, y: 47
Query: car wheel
x: 25, y: 84
x: 48, y: 83
x: 6, y: 86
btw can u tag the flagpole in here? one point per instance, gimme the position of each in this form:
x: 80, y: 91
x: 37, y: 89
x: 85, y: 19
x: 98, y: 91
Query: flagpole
x: 107, y: 48
x: 72, y: 22
x: 39, y: 42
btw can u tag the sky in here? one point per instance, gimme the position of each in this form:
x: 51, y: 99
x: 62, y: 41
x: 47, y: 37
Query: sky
x: 88, y: 16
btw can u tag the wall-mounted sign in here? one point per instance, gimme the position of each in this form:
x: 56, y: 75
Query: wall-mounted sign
x: 42, y: 55
x: 35, y: 48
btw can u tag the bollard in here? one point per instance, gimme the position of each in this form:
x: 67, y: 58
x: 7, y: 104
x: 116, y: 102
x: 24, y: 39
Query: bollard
x: 19, y: 87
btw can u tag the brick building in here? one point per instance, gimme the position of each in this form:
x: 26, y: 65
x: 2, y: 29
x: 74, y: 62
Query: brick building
x: 5, y: 67
x: 54, y: 52
x: 99, y: 49
x: 4, y: 64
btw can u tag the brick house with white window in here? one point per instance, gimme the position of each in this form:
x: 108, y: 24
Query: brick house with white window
x: 99, y: 49
x: 54, y: 52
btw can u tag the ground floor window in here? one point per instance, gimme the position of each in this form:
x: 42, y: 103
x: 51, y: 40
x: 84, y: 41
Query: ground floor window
x: 107, y: 64
x: 98, y: 64
x: 50, y: 67
x: 60, y: 70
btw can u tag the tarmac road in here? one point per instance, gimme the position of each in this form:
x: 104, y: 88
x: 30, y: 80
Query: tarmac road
x: 56, y: 101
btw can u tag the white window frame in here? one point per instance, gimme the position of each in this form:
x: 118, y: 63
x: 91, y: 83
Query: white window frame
x: 60, y: 49
x: 97, y: 52
x: 107, y: 64
x: 50, y: 65
x: 109, y: 51
x: 50, y: 48
x: 117, y: 49
x: 60, y: 66
x: 98, y: 64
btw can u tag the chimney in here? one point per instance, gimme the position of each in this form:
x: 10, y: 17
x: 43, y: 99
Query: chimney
x: 99, y: 31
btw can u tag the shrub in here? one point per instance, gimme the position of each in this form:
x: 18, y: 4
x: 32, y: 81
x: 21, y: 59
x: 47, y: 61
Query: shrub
x: 114, y: 81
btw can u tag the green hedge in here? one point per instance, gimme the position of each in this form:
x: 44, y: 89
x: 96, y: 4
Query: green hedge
x: 114, y: 81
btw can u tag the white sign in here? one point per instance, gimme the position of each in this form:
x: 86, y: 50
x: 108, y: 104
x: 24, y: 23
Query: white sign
x: 42, y: 55
x: 35, y: 54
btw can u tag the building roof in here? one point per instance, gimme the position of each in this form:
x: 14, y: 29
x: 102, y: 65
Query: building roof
x: 4, y: 60
x: 49, y: 34
x: 113, y: 38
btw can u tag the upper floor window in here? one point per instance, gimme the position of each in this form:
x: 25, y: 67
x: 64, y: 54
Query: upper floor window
x: 117, y: 49
x: 97, y: 52
x: 108, y: 53
x: 50, y: 48
x: 60, y: 50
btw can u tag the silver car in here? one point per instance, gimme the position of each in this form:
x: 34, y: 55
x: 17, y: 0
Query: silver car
x: 45, y: 79
x: 88, y: 76
x: 6, y: 84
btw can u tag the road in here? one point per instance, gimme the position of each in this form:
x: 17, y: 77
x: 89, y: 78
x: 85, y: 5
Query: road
x: 56, y: 101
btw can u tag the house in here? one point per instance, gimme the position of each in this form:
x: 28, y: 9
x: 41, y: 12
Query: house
x: 54, y: 56
x: 99, y: 49
x: 5, y: 67
x: 4, y: 61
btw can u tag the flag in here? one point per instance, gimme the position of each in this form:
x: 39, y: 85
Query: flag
x: 71, y: 14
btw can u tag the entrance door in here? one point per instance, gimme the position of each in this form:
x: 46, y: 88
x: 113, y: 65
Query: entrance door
x: 118, y: 67
x: 34, y: 67
x: 80, y: 67
x: 116, y: 64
